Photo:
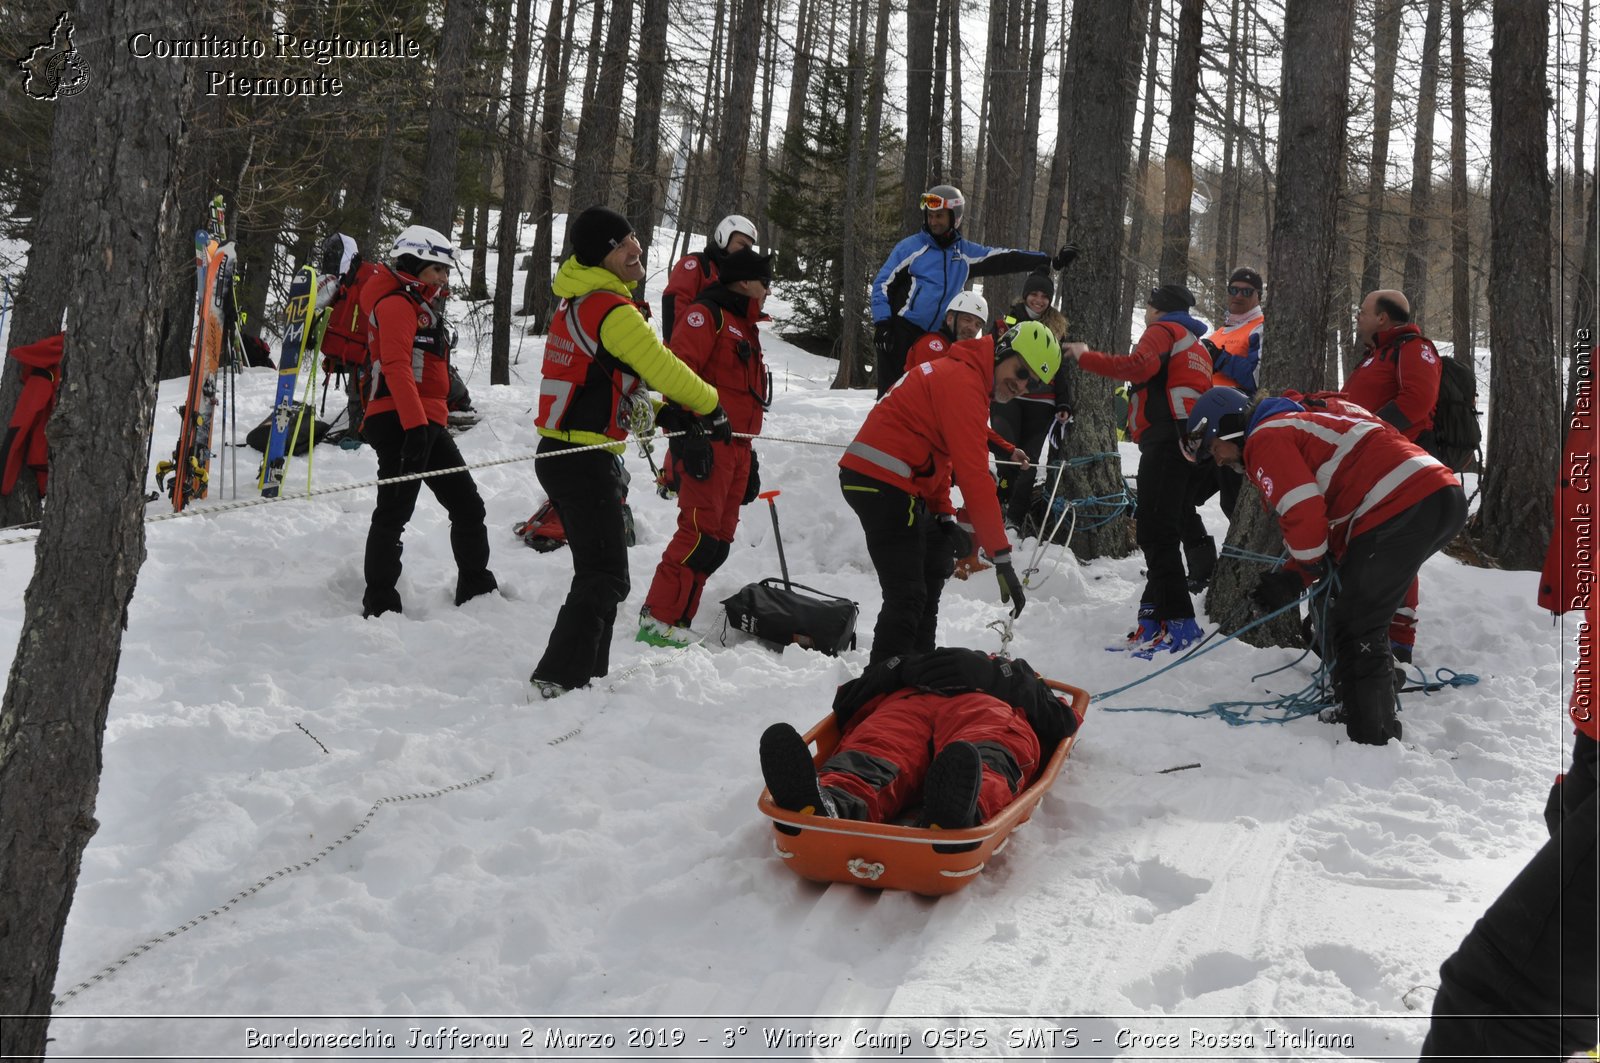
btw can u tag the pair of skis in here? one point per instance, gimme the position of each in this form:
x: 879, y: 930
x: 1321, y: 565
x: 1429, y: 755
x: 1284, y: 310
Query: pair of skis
x: 302, y: 337
x: 187, y: 476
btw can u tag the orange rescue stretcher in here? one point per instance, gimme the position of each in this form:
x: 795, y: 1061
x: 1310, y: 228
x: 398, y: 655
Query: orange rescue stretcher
x: 896, y: 857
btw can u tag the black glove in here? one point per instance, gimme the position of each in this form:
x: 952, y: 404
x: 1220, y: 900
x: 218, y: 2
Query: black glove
x: 672, y: 418
x: 752, y: 486
x: 1010, y: 585
x: 716, y: 425
x: 883, y: 338
x: 694, y: 451
x: 1274, y: 590
x: 957, y: 537
x: 1065, y: 256
x: 416, y: 448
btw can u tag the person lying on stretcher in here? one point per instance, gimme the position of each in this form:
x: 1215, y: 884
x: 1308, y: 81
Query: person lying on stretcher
x: 960, y: 730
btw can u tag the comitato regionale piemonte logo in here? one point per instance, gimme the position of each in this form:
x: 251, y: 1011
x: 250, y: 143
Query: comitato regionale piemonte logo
x: 54, y: 68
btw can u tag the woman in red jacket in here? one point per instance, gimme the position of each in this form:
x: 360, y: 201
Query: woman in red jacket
x: 406, y: 418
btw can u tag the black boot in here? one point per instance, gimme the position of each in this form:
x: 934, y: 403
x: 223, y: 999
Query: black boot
x: 789, y: 772
x: 950, y: 795
x: 1201, y: 554
x: 469, y: 587
x: 1370, y: 704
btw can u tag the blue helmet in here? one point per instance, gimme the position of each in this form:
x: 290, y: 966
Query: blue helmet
x: 1221, y: 413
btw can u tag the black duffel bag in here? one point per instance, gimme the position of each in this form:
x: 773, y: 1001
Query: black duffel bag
x: 780, y: 615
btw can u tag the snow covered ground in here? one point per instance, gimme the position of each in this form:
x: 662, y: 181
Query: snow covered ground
x: 366, y: 831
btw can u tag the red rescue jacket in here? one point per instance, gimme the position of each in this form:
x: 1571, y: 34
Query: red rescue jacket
x: 1570, y: 570
x: 932, y: 424
x: 1328, y: 478
x: 689, y: 276
x: 1169, y: 369
x: 410, y: 351
x: 717, y: 338
x: 1398, y: 380
x: 24, y: 442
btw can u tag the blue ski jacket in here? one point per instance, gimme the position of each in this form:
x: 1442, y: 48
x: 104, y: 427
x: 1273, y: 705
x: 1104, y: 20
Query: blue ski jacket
x: 920, y: 277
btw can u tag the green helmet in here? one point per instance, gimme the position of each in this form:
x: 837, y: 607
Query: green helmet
x: 1035, y: 344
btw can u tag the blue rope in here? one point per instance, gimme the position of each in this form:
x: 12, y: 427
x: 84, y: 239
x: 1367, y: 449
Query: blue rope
x: 1240, y: 553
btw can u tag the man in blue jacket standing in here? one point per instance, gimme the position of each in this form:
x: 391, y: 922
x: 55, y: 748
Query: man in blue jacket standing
x: 926, y: 270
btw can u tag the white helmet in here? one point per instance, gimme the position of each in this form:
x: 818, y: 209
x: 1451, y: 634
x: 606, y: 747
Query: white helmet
x: 428, y: 245
x: 734, y: 223
x: 970, y: 303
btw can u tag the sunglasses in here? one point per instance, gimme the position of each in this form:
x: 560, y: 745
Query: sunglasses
x: 933, y: 202
x: 1240, y: 292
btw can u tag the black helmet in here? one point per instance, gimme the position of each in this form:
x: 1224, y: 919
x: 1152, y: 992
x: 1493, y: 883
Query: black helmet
x: 1221, y: 413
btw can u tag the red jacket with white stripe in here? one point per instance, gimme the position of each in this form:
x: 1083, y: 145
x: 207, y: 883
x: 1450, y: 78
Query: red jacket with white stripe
x: 1329, y: 478
x: 1398, y: 380
x: 934, y: 422
x: 1169, y: 369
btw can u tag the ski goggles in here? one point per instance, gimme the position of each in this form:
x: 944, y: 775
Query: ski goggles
x: 930, y: 201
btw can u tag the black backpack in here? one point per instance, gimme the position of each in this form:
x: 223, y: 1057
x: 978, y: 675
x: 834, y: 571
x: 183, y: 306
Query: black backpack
x: 1456, y: 431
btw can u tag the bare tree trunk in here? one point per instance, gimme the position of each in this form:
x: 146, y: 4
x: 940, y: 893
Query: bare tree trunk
x: 769, y: 81
x: 936, y: 118
x: 734, y: 143
x: 1180, y: 146
x: 516, y: 155
x: 1029, y: 164
x: 921, y: 17
x: 594, y: 159
x: 1460, y: 267
x: 437, y: 207
x: 852, y: 245
x: 1419, y: 243
x: 1055, y: 192
x: 644, y: 185
x: 1583, y: 100
x: 799, y: 81
x: 1221, y: 263
x: 1136, y: 272
x: 115, y: 152
x: 1007, y: 86
x: 478, y: 281
x: 536, y: 285
x: 1316, y: 64
x: 1106, y: 38
x: 958, y: 166
x: 1385, y: 46
x: 1514, y: 519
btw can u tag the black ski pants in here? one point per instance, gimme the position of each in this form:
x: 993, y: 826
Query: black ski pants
x: 587, y: 489
x: 909, y: 552
x: 1373, y: 575
x: 1025, y: 423
x: 456, y: 492
x: 1525, y: 982
x: 1166, y: 500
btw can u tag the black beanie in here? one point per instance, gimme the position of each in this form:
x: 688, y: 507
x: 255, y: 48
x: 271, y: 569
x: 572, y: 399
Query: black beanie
x: 596, y: 233
x: 745, y: 265
x: 1039, y: 281
x: 1168, y: 298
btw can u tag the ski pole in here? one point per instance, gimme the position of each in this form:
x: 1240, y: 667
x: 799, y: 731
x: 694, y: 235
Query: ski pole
x: 777, y: 536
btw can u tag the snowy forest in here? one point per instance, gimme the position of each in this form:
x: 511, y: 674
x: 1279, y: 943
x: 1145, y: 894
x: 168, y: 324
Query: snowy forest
x: 1446, y: 148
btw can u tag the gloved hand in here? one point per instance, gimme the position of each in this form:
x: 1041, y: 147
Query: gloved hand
x: 752, y: 486
x: 1065, y: 256
x: 1274, y: 590
x: 694, y: 451
x: 417, y: 446
x: 1010, y: 585
x: 956, y: 537
x: 716, y: 425
x: 883, y: 337
x: 673, y: 418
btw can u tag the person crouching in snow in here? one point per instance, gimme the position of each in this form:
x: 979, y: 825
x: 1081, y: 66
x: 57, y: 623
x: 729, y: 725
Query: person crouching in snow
x: 896, y: 474
x: 960, y: 731
x: 1352, y: 496
x: 406, y: 418
x: 718, y: 339
x: 598, y: 355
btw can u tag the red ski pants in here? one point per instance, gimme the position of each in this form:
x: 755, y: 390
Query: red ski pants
x: 883, y: 760
x: 708, y: 515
